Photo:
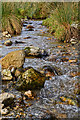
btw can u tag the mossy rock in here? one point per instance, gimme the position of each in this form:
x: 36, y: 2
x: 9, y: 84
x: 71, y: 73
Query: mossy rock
x: 35, y: 51
x: 30, y: 79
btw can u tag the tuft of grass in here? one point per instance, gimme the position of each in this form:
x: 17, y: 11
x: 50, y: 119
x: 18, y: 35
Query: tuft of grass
x: 61, y: 19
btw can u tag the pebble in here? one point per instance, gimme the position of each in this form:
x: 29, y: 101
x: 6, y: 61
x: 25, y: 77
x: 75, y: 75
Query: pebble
x: 8, y: 43
x: 4, y: 111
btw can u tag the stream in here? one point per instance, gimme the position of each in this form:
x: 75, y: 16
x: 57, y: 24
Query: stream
x: 47, y: 104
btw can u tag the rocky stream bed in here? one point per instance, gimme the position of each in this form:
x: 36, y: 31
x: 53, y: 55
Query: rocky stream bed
x: 54, y: 64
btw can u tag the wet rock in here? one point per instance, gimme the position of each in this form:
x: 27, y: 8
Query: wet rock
x: 19, y: 42
x: 29, y: 26
x: 6, y: 99
x: 8, y: 43
x: 8, y: 36
x: 4, y: 111
x: 29, y: 94
x: 15, y: 59
x: 6, y: 74
x: 5, y: 33
x: 24, y: 25
x: 35, y: 51
x: 27, y: 37
x: 30, y: 79
x: 52, y: 70
x: 73, y: 41
x: 30, y: 29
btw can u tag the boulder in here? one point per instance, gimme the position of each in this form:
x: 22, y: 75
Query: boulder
x: 30, y: 79
x: 8, y: 43
x: 6, y: 74
x: 14, y: 58
x: 35, y: 51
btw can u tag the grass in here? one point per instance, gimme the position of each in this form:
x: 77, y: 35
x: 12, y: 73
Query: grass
x: 61, y: 19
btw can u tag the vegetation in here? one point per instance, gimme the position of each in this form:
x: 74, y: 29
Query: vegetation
x: 59, y: 17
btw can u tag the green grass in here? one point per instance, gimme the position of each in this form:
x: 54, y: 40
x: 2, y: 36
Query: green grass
x: 61, y: 19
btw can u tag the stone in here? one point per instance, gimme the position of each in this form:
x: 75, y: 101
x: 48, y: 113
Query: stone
x: 52, y: 70
x: 73, y: 40
x: 14, y: 58
x: 35, y: 51
x: 6, y: 74
x: 8, y: 43
x: 27, y: 37
x: 4, y: 111
x: 5, y: 33
x: 29, y: 26
x: 6, y: 99
x: 30, y: 79
x: 29, y: 94
x: 8, y: 36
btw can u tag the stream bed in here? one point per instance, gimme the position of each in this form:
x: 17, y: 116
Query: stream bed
x: 59, y: 98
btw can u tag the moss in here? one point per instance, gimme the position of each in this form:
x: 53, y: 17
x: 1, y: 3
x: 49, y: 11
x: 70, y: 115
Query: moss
x: 31, y: 79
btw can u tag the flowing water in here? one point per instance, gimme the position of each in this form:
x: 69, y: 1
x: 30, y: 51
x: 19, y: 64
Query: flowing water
x: 49, y: 102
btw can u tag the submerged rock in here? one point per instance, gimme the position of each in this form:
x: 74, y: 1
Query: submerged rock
x: 15, y: 59
x: 6, y: 74
x: 30, y: 79
x: 8, y: 43
x: 52, y: 70
x: 35, y: 51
